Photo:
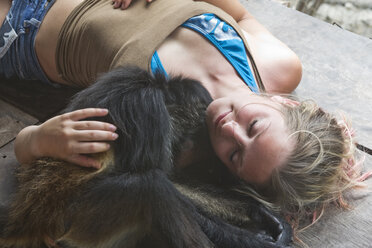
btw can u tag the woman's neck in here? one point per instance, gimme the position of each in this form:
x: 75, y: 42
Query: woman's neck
x: 222, y: 85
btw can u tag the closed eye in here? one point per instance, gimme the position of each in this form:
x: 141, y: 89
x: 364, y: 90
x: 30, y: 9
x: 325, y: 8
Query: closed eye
x: 251, y: 127
x: 233, y: 155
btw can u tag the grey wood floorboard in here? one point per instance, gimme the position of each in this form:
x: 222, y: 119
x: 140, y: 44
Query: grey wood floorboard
x: 8, y: 163
x: 12, y: 120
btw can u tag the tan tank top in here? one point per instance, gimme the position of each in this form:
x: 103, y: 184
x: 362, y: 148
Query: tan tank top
x: 97, y: 38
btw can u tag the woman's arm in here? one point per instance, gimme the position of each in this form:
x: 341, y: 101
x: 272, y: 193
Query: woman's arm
x: 241, y: 15
x: 279, y: 66
x: 66, y: 137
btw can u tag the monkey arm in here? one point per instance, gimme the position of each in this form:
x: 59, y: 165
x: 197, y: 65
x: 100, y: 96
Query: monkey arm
x: 232, y: 215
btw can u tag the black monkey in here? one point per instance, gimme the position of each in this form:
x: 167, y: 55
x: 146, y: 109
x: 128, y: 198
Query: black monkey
x: 138, y: 198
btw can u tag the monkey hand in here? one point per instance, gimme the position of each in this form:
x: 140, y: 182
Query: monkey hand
x: 124, y: 4
x: 280, y: 232
x: 68, y: 138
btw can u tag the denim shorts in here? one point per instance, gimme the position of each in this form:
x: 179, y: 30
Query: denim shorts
x: 17, y: 40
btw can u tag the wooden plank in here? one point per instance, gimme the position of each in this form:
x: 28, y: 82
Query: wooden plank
x: 345, y: 228
x: 8, y: 164
x: 35, y: 98
x: 337, y: 74
x: 12, y: 120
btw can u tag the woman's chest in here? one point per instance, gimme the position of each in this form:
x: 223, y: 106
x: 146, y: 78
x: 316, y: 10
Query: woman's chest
x: 189, y: 53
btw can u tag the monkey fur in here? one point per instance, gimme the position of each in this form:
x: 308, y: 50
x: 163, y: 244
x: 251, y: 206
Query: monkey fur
x: 138, y: 198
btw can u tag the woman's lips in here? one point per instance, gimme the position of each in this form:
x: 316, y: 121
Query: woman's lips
x: 220, y: 117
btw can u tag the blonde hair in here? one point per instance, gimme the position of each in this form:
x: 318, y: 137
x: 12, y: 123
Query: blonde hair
x: 320, y: 169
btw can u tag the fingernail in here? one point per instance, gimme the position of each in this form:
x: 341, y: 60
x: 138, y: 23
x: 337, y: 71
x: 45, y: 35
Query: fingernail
x: 115, y: 135
x: 104, y: 110
x: 112, y: 128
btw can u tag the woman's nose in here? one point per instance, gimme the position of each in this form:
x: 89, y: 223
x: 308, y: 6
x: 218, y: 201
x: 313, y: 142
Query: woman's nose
x: 232, y: 130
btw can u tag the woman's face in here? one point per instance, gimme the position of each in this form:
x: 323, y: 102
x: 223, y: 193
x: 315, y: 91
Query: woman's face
x: 249, y: 135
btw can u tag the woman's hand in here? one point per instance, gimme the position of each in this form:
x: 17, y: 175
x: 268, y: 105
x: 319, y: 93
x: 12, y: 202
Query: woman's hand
x: 124, y: 4
x: 66, y: 137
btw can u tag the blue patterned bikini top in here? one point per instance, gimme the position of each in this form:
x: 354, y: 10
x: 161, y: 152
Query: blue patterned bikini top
x: 225, y: 39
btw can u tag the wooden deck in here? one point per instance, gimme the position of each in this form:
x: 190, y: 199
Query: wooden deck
x: 337, y: 74
x: 23, y: 103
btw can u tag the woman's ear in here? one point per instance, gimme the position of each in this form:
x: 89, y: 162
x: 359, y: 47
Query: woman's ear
x: 284, y: 100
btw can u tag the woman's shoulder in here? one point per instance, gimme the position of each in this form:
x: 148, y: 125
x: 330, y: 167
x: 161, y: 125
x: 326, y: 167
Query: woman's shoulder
x: 280, y: 68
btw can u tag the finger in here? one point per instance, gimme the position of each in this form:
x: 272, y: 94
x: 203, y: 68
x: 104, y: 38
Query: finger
x: 90, y: 147
x: 94, y: 135
x: 125, y: 4
x: 117, y: 4
x: 85, y: 161
x: 85, y: 113
x: 93, y: 125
